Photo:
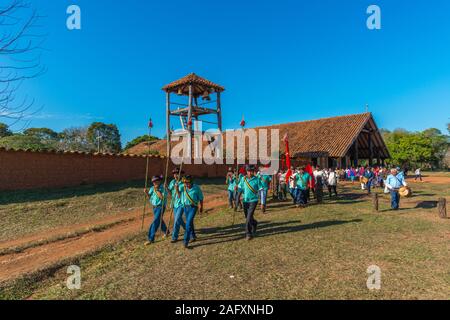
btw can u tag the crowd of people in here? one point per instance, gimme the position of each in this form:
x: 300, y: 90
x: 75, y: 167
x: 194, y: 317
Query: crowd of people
x: 249, y: 186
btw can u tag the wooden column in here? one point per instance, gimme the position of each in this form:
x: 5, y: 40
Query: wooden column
x: 189, y: 127
x: 168, y: 133
x: 442, y: 207
x: 356, y: 154
x: 370, y: 148
x: 219, y: 112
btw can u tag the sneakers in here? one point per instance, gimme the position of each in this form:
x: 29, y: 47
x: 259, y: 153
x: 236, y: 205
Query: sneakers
x: 147, y: 243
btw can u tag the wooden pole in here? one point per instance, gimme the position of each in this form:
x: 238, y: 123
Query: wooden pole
x: 219, y: 112
x: 146, y: 177
x: 375, y: 201
x: 168, y: 134
x: 442, y: 206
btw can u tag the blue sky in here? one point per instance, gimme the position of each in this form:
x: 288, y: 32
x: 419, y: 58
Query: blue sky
x: 280, y: 61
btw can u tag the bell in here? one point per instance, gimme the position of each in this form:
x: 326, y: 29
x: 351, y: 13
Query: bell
x: 206, y: 96
x: 180, y: 92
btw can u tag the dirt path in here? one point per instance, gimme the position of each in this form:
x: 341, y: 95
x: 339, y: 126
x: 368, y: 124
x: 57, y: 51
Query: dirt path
x: 46, y: 249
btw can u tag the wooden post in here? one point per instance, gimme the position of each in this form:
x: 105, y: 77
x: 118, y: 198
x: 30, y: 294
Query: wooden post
x: 375, y: 201
x: 190, y: 125
x: 442, y: 206
x: 219, y: 112
x: 356, y: 153
x: 370, y: 149
x: 168, y: 122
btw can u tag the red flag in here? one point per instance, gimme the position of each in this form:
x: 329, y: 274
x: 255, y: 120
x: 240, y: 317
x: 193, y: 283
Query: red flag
x: 288, y: 157
x: 310, y: 171
x: 242, y: 122
x: 150, y: 123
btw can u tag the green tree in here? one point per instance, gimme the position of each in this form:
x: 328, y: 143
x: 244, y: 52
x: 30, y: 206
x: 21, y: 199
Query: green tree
x: 105, y: 136
x: 4, y: 130
x: 23, y: 142
x: 75, y: 139
x: 139, y: 140
x: 42, y: 133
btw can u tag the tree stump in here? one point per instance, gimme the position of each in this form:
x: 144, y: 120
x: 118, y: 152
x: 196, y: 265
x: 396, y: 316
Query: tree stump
x: 375, y: 201
x: 442, y: 206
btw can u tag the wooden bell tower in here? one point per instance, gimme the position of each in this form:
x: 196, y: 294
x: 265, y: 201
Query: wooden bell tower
x: 197, y: 91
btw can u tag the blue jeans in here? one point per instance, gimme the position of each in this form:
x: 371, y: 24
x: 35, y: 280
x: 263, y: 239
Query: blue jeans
x: 395, y: 199
x: 190, y: 212
x: 294, y: 194
x: 263, y: 196
x: 231, y: 197
x: 178, y: 222
x: 158, y: 213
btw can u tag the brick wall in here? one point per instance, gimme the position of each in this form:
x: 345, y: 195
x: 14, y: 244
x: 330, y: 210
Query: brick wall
x: 30, y: 170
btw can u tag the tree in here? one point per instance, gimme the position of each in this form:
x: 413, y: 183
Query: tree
x: 416, y: 148
x: 42, y: 133
x: 4, y: 130
x: 23, y: 142
x: 105, y: 136
x: 75, y: 139
x: 140, y: 139
x: 20, y: 49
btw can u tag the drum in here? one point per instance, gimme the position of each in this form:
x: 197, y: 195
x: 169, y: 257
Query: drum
x: 405, y: 192
x: 364, y: 180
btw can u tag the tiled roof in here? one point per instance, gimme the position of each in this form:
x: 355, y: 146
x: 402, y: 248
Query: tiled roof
x: 332, y: 136
x: 192, y: 79
x: 329, y: 136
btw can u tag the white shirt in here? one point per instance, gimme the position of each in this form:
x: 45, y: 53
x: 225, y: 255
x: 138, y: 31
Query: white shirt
x: 332, y: 179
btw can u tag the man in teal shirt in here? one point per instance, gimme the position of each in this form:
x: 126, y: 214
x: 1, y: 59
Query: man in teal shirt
x: 303, y: 178
x: 250, y: 185
x: 238, y: 191
x: 265, y: 182
x: 177, y: 205
x: 192, y: 199
x: 158, y: 198
x: 231, y: 183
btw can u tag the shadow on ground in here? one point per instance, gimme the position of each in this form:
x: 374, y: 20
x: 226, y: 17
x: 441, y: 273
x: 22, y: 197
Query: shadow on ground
x: 265, y: 229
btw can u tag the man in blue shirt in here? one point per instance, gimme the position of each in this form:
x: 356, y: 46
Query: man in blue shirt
x: 369, y: 175
x: 192, y: 199
x: 250, y: 184
x: 394, y: 182
x: 158, y: 198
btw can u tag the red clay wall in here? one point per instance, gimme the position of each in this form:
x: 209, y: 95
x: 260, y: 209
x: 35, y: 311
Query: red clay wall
x: 30, y: 170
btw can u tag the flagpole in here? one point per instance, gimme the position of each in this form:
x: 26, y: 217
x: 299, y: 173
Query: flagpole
x: 150, y: 125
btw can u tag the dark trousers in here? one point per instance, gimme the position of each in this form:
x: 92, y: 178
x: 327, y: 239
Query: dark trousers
x: 332, y: 189
x: 251, y: 223
x: 302, y: 197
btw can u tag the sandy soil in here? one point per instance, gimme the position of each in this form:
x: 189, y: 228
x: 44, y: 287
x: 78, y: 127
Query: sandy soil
x: 42, y: 256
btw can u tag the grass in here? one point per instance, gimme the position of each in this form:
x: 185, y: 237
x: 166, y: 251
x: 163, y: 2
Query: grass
x: 32, y: 211
x: 321, y: 252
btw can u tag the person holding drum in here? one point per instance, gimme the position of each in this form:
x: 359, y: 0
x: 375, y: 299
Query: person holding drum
x: 394, y: 182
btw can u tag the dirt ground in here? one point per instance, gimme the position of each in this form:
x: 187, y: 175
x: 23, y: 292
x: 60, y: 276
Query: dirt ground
x: 39, y: 251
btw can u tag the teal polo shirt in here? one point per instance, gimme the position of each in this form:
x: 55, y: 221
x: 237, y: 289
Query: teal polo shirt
x: 250, y: 195
x: 154, y: 199
x: 176, y: 200
x: 194, y: 193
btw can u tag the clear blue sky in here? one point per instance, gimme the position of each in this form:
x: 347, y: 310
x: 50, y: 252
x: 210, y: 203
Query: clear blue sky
x: 280, y: 61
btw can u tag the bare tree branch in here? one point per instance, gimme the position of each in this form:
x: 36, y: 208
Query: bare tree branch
x: 20, y: 48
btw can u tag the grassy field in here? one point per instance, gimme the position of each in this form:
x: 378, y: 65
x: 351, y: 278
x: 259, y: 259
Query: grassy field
x: 26, y: 212
x: 321, y: 252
